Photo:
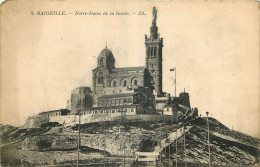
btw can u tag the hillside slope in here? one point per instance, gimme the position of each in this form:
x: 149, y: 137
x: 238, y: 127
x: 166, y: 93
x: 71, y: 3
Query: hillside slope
x: 58, y: 145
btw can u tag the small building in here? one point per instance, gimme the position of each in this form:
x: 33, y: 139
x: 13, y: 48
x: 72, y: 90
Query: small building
x: 119, y: 99
x: 56, y: 115
x: 147, y: 158
x: 118, y: 129
x: 160, y: 102
x: 114, y: 110
x: 59, y: 116
x: 171, y: 109
x: 121, y: 129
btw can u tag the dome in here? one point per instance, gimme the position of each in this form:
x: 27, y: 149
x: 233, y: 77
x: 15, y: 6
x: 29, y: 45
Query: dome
x: 106, y: 59
x: 106, y: 53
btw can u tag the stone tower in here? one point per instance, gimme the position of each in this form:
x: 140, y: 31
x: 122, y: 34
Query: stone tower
x: 81, y: 99
x: 154, y: 45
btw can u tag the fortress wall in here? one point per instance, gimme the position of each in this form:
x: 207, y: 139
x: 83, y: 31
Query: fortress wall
x: 149, y: 117
x: 63, y: 119
x: 138, y: 117
x: 35, y: 122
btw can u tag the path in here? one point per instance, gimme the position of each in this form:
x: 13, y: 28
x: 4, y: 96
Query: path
x: 154, y: 156
x: 171, y: 138
x: 24, y: 137
x: 226, y: 137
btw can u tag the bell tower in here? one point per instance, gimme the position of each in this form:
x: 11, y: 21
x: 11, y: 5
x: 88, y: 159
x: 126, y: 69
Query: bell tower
x: 153, y: 58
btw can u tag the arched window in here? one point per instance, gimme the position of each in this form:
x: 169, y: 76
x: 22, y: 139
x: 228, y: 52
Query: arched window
x: 114, y: 83
x: 151, y: 51
x: 100, y: 78
x: 101, y: 61
x: 135, y: 82
x: 154, y: 51
x: 124, y: 83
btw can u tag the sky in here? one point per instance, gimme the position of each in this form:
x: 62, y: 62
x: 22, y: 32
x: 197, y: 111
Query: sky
x: 213, y: 45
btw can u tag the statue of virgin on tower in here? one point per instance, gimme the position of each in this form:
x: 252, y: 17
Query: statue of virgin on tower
x: 154, y: 15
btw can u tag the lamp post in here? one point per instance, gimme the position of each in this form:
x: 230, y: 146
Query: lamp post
x: 208, y: 137
x: 104, y: 141
x: 123, y: 113
x: 174, y: 69
x: 184, y: 144
x: 81, y: 103
x: 176, y: 164
x: 165, y: 149
x: 169, y: 152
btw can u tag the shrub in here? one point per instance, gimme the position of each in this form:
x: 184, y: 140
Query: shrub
x: 43, y: 144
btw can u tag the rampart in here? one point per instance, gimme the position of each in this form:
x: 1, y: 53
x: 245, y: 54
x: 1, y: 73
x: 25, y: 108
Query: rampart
x: 35, y: 122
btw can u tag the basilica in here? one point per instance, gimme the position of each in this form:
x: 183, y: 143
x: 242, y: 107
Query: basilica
x: 106, y: 77
x: 117, y: 86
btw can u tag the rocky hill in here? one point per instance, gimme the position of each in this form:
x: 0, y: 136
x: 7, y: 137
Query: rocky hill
x: 118, y: 141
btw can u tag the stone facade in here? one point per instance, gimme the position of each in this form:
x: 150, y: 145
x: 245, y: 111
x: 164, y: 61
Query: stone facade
x: 107, y: 79
x: 120, y: 99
